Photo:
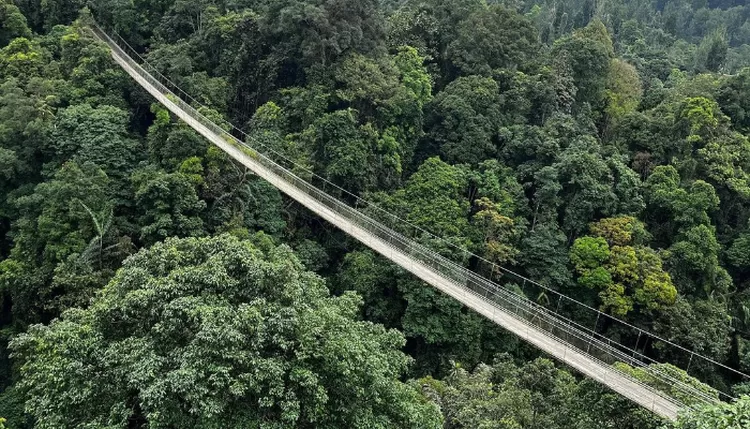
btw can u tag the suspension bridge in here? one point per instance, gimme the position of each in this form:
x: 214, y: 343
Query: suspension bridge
x: 550, y: 327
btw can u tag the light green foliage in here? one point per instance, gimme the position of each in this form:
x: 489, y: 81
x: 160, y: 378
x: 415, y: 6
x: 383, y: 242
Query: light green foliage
x: 404, y: 113
x: 674, y: 390
x: 388, y: 94
x: 701, y: 115
x: 721, y: 416
x: 214, y: 332
x: 589, y: 252
x: 413, y: 75
x: 598, y: 278
x: 655, y: 289
x: 620, y: 230
x: 506, y: 395
x: 623, y: 90
x: 727, y: 163
x: 434, y: 199
x: 625, y: 273
x: 498, y: 230
x: 22, y: 59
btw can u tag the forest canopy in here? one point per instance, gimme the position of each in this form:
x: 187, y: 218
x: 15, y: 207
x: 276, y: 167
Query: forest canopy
x: 147, y: 279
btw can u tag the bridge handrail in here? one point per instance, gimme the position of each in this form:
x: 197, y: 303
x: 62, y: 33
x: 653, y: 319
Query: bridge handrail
x: 361, y: 202
x: 526, y: 310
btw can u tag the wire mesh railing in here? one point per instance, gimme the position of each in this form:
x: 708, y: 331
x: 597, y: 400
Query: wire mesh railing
x: 576, y: 334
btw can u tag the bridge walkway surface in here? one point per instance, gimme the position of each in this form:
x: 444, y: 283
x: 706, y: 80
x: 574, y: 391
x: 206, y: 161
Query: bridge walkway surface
x: 584, y: 350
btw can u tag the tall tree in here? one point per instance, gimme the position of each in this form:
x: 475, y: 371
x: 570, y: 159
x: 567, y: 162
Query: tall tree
x: 493, y: 38
x: 217, y: 333
x: 463, y: 120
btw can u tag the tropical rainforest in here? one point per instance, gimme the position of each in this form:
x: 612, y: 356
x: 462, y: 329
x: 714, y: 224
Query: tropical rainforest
x: 148, y: 280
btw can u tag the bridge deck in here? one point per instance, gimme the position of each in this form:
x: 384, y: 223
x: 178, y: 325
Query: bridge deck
x: 560, y: 350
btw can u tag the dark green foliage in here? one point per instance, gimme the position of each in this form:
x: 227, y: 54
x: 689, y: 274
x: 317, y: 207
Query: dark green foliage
x: 712, y: 52
x: 493, y: 38
x: 733, y: 97
x: 464, y: 120
x: 168, y: 206
x: 94, y: 135
x: 589, y: 52
x: 597, y: 147
x: 12, y: 23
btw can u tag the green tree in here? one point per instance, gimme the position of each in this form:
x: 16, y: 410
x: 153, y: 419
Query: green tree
x: 168, y: 205
x: 56, y: 223
x: 56, y: 228
x: 588, y: 182
x: 499, y: 232
x: 544, y: 255
x: 350, y: 154
x: 55, y: 12
x: 97, y: 135
x: 172, y: 142
x: 463, y: 120
x: 675, y: 390
x: 623, y: 90
x: 722, y: 416
x: 317, y: 32
x: 12, y: 23
x: 625, y: 273
x: 589, y: 51
x: 672, y: 207
x: 703, y: 326
x: 493, y: 38
x: 534, y: 395
x: 22, y: 59
x: 712, y: 52
x: 739, y: 252
x: 217, y: 333
x: 733, y: 96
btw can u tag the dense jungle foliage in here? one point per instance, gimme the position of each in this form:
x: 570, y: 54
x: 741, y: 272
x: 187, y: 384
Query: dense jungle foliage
x: 147, y: 280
